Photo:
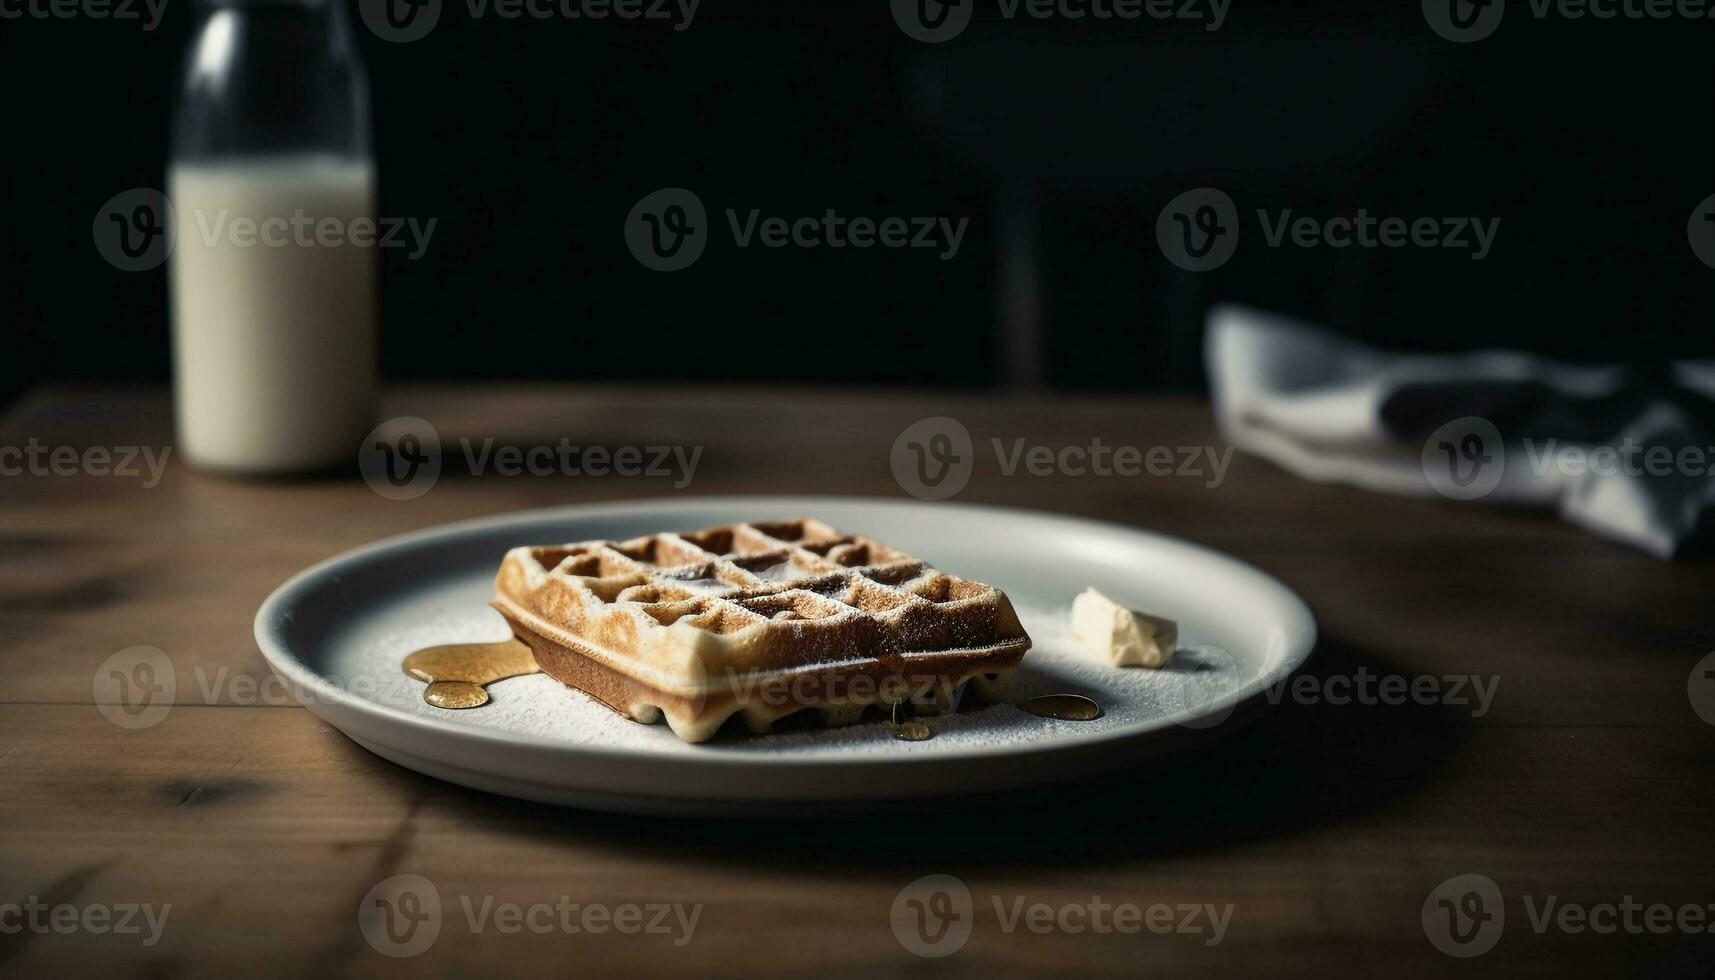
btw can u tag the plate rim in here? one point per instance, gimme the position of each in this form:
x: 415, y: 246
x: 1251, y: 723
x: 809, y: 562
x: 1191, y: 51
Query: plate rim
x: 277, y: 608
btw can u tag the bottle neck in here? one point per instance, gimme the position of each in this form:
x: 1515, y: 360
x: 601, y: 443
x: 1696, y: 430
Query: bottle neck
x: 271, y: 78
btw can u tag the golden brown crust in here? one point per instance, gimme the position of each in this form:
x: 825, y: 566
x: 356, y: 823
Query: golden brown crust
x: 759, y: 619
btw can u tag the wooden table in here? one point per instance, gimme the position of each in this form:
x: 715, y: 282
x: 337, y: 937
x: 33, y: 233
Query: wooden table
x: 1324, y: 826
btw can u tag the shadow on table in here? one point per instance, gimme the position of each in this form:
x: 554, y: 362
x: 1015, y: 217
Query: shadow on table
x: 1299, y: 765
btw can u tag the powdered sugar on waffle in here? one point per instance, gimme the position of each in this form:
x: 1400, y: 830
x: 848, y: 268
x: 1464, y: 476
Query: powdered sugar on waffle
x: 679, y: 622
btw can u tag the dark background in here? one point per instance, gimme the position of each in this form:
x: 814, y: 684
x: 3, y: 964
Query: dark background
x: 530, y: 141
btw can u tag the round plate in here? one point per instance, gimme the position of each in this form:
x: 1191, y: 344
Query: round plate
x: 336, y: 634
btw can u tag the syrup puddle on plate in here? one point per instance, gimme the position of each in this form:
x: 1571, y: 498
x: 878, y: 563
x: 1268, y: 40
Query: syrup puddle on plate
x: 901, y: 726
x: 458, y: 674
x: 911, y: 731
x: 1064, y: 707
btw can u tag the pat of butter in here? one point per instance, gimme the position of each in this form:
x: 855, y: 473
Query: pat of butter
x: 1121, y: 636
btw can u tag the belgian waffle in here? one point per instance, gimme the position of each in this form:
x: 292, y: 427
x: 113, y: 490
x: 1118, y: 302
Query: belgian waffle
x: 760, y: 620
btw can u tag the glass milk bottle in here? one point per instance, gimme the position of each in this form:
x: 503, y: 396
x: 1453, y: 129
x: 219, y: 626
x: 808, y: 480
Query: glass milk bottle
x: 272, y: 184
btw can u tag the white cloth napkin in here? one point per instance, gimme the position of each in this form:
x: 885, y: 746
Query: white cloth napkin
x: 1622, y: 451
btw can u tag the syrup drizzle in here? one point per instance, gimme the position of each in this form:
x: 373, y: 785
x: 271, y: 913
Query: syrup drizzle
x: 902, y: 727
x: 458, y: 674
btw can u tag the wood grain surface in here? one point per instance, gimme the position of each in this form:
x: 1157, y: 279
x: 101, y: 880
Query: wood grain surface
x: 1324, y: 826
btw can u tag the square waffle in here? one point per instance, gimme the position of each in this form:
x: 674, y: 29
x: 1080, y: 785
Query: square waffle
x: 759, y: 620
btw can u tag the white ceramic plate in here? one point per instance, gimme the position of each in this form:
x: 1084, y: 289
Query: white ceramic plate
x: 337, y: 632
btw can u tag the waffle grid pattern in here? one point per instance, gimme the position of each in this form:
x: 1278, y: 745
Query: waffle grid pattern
x: 688, y: 625
x: 835, y: 596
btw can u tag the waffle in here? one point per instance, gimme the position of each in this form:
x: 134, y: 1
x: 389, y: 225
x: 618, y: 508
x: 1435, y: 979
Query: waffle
x: 759, y: 620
